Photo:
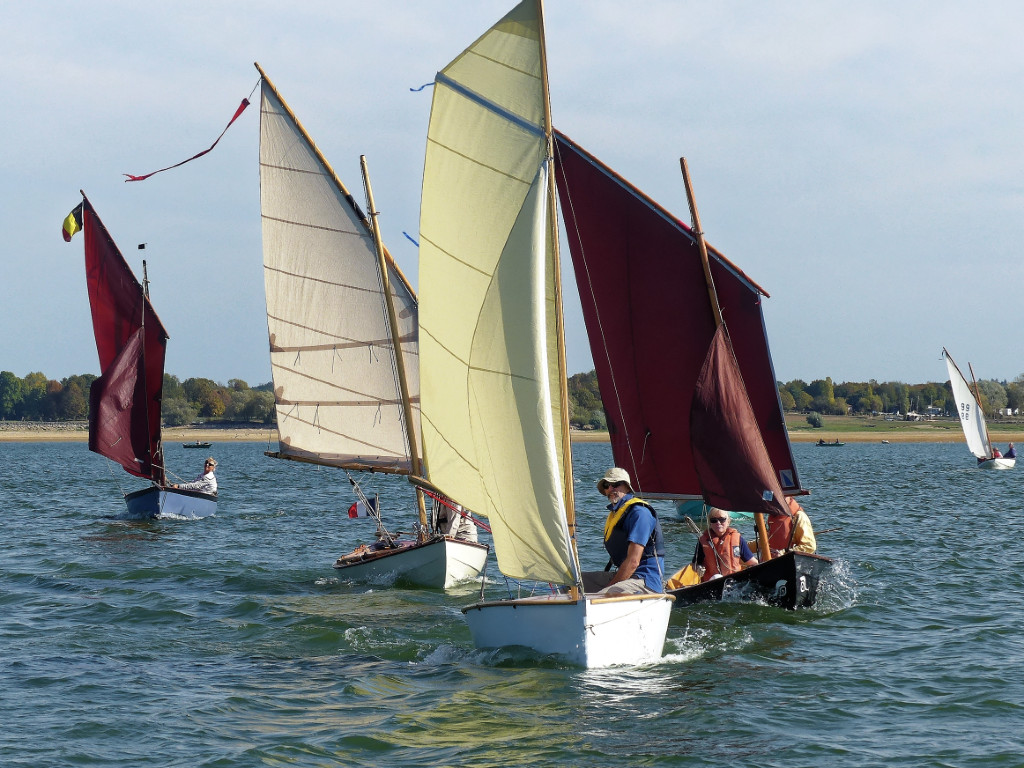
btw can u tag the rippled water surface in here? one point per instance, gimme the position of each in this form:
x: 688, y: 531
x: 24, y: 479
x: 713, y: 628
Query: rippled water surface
x: 230, y: 641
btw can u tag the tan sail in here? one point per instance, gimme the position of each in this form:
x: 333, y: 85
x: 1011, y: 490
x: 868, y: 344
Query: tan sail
x: 336, y: 382
x: 492, y: 407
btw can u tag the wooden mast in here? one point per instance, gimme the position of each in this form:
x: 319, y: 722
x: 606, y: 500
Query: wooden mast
x: 396, y: 341
x: 981, y: 411
x: 763, y: 551
x: 563, y: 389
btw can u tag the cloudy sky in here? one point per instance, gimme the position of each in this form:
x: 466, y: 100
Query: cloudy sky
x: 861, y: 161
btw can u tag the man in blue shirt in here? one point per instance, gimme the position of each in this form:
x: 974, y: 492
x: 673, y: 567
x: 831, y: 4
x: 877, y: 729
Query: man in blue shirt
x: 632, y: 536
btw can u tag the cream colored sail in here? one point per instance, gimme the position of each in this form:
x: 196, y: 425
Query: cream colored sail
x: 332, y: 356
x: 492, y: 412
x: 971, y: 418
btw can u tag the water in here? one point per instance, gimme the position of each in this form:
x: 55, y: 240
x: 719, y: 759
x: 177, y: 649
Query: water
x: 231, y: 642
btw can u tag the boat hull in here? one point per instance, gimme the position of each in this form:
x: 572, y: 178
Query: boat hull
x: 1001, y: 463
x: 593, y: 632
x: 170, y: 502
x: 438, y: 564
x: 790, y: 581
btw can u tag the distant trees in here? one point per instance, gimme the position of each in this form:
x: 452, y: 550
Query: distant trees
x: 585, y: 407
x: 36, y: 398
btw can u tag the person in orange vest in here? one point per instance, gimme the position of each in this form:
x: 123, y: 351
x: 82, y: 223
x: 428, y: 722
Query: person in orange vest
x: 793, y: 533
x: 721, y: 549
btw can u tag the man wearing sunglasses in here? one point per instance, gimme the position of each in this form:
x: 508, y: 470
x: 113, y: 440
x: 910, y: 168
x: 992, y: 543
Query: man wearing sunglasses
x: 205, y: 482
x: 632, y: 536
x: 721, y: 549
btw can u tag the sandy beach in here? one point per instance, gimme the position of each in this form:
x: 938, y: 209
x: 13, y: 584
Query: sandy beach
x: 78, y: 431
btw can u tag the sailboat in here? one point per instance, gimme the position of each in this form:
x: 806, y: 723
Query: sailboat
x: 493, y: 383
x: 972, y: 419
x: 342, y: 321
x: 124, y: 402
x: 670, y: 319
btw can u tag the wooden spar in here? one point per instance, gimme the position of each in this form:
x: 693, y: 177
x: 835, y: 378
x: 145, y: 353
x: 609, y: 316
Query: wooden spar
x: 563, y: 387
x: 410, y: 425
x: 701, y: 245
x: 763, y: 552
x: 981, y: 412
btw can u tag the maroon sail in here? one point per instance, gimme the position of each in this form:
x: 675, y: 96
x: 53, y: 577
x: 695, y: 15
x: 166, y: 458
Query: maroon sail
x: 124, y: 402
x: 650, y: 322
x: 729, y: 455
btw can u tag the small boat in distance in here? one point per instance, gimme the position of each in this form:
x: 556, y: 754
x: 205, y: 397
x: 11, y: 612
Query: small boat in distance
x: 196, y: 444
x: 124, y: 402
x: 972, y: 419
x: 831, y: 443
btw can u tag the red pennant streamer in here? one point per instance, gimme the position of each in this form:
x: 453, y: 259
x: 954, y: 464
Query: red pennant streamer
x: 240, y: 110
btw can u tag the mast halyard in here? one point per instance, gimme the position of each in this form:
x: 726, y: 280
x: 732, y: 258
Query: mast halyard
x: 396, y: 341
x: 763, y: 551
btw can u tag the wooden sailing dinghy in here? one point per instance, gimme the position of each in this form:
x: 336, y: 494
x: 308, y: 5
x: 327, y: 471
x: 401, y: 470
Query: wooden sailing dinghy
x: 653, y: 298
x: 972, y: 418
x: 343, y: 329
x: 124, y: 402
x: 495, y: 413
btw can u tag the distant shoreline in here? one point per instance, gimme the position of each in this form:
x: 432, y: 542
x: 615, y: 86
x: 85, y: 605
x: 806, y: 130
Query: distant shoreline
x: 926, y: 432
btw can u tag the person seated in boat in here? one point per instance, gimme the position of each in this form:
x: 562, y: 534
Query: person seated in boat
x: 995, y: 453
x: 205, y: 482
x: 721, y: 549
x: 632, y: 537
x: 793, y: 533
x: 1011, y: 452
x: 456, y: 523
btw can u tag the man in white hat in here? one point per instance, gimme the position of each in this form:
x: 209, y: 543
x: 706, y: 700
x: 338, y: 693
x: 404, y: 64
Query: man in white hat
x: 632, y: 536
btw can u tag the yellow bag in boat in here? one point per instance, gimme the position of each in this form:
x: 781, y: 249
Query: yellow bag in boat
x: 685, y: 577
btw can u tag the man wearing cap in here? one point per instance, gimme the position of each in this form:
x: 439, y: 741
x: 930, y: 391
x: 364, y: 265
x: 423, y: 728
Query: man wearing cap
x: 206, y: 482
x: 632, y: 536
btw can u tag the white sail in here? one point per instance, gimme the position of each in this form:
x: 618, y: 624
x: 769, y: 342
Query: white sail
x: 332, y: 356
x: 492, y: 412
x: 971, y: 418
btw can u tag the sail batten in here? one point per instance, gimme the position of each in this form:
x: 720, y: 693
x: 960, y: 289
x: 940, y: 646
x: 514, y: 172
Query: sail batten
x: 327, y: 314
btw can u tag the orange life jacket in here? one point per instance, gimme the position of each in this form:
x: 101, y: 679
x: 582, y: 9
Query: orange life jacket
x: 780, y: 527
x: 721, y: 555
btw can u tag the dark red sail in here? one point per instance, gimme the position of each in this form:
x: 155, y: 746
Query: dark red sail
x: 124, y: 412
x: 650, y: 322
x: 729, y: 455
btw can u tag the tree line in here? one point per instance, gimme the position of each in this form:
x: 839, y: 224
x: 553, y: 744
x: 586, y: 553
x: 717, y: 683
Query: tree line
x: 823, y: 396
x: 37, y: 398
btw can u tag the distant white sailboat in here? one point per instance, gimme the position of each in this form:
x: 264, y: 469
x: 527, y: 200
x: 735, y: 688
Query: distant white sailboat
x: 342, y: 321
x: 972, y: 419
x: 494, y: 397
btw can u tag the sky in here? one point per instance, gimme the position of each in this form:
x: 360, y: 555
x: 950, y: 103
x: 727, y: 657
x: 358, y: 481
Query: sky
x: 862, y: 162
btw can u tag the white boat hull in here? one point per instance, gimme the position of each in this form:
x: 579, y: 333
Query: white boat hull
x: 1001, y: 463
x: 170, y: 502
x: 439, y: 563
x: 595, y: 632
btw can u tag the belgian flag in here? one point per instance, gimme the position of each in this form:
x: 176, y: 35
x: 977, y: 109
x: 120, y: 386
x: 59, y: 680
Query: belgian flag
x: 73, y: 223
